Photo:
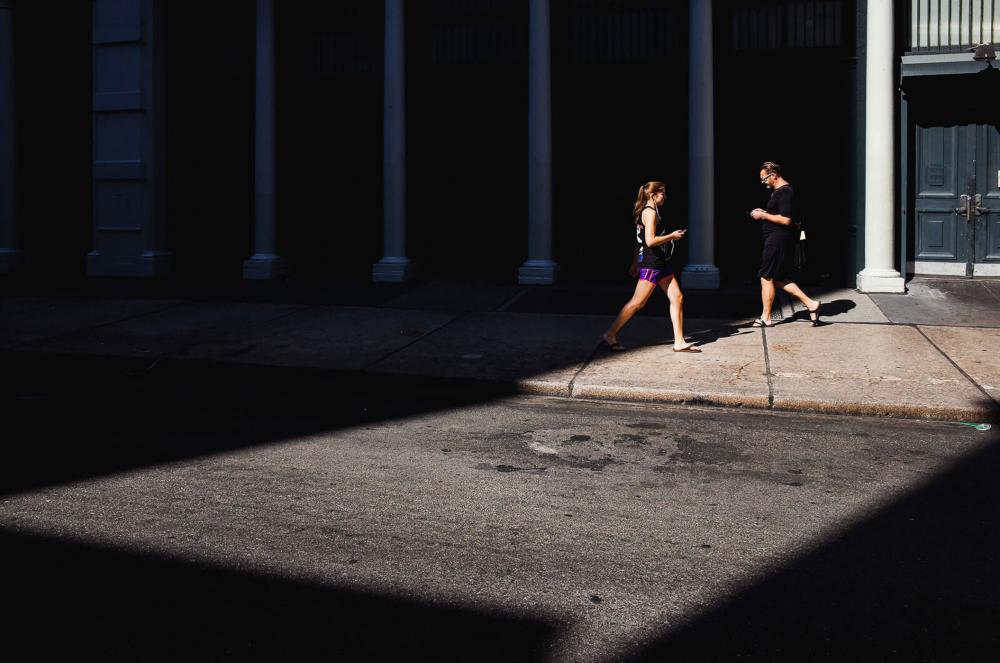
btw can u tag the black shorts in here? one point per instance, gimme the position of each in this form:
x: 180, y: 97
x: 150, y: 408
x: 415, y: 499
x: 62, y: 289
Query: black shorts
x: 777, y: 260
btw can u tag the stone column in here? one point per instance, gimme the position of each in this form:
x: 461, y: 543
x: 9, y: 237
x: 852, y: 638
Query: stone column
x: 878, y: 274
x: 394, y: 266
x: 539, y: 268
x: 8, y: 185
x: 265, y: 263
x: 701, y: 272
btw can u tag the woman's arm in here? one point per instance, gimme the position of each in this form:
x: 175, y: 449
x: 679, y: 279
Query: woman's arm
x: 649, y: 230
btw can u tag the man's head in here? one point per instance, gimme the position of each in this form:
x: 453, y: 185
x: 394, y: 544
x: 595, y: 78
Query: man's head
x: 769, y: 173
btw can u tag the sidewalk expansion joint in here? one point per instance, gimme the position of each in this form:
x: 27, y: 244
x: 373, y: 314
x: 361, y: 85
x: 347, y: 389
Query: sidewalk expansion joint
x: 767, y: 369
x: 510, y: 302
x: 989, y: 398
x: 461, y: 316
x: 586, y: 363
x: 77, y: 330
x: 177, y: 350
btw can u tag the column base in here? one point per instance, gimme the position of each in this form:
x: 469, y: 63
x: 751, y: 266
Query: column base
x: 264, y: 267
x: 881, y: 280
x: 700, y: 277
x: 10, y: 260
x: 393, y: 270
x: 538, y: 272
x: 148, y: 265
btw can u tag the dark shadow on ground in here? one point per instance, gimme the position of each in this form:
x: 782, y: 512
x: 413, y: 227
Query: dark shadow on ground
x: 283, y: 290
x: 71, y: 417
x: 69, y: 600
x: 916, y: 582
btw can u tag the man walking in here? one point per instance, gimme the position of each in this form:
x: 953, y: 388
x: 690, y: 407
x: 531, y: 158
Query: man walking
x: 779, y: 246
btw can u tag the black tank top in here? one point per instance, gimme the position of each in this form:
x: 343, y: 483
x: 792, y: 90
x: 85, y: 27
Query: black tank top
x: 656, y: 257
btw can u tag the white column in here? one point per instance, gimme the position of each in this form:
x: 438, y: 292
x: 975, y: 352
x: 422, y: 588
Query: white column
x: 878, y: 274
x: 8, y: 230
x: 265, y: 263
x: 701, y: 272
x: 539, y: 268
x: 394, y: 266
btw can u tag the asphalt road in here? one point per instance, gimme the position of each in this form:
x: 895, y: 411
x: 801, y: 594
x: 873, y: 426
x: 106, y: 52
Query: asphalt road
x: 154, y: 512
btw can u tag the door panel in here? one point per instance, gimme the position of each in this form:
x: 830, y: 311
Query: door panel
x: 942, y: 177
x: 988, y: 184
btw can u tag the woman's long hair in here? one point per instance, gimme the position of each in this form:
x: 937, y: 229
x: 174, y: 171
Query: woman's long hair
x: 646, y: 191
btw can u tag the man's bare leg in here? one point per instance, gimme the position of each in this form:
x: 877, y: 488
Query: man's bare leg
x: 794, y: 290
x: 766, y: 298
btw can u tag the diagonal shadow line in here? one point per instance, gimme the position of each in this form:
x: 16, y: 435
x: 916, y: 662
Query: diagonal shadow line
x: 128, y: 606
x: 915, y: 582
x: 70, y: 417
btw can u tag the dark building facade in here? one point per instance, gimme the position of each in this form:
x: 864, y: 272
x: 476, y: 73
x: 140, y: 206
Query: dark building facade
x: 499, y: 139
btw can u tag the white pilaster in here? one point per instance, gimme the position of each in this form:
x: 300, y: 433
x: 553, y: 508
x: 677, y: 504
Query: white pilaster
x: 878, y: 274
x: 539, y: 268
x: 701, y: 272
x: 394, y: 266
x: 8, y: 185
x: 265, y: 263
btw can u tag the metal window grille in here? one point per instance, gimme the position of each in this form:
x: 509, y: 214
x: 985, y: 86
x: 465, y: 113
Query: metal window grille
x: 953, y: 25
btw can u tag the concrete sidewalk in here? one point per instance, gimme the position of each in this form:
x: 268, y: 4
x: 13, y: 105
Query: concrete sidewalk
x: 544, y: 341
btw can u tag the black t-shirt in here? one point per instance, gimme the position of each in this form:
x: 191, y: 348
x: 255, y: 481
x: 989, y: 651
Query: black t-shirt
x: 781, y: 202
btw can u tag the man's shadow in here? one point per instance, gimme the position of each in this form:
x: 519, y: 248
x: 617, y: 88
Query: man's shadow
x: 827, y: 310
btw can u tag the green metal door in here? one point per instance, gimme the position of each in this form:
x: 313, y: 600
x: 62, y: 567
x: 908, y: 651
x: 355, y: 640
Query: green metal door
x: 987, y: 222
x: 944, y: 156
x: 957, y: 200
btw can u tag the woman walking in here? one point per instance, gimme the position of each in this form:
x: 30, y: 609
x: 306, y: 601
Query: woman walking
x: 651, y: 265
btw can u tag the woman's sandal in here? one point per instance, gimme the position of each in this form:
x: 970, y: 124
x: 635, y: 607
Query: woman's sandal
x: 759, y: 322
x: 614, y: 347
x: 689, y: 348
x: 814, y: 314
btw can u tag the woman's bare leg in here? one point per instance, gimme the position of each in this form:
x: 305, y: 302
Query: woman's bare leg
x: 676, y: 297
x: 643, y: 289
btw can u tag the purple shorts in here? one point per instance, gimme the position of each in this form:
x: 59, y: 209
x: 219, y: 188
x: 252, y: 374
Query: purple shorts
x: 654, y: 275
